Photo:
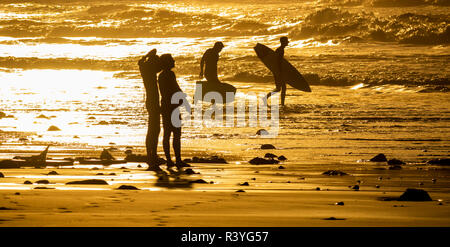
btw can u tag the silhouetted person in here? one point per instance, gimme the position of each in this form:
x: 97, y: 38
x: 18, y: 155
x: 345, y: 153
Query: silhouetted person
x: 149, y: 66
x: 280, y: 84
x: 168, y: 86
x: 209, y: 61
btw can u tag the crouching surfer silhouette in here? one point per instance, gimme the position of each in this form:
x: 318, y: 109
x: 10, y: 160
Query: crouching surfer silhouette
x: 149, y: 66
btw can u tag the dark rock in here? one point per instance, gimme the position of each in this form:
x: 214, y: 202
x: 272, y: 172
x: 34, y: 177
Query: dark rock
x: 355, y: 187
x: 52, y: 173
x: 262, y: 161
x: 189, y: 171
x: 112, y: 174
x: 127, y: 187
x: 42, y: 181
x: 267, y: 146
x: 334, y: 173
x: 8, y: 164
x: 1, y: 175
x: 282, y: 158
x: 377, y: 186
x: 441, y: 162
x: 213, y: 159
x: 105, y: 155
x: 244, y: 184
x: 281, y: 167
x: 318, y: 188
x: 415, y: 195
x: 89, y: 181
x: 5, y: 208
x: 396, y: 167
x: 270, y: 155
x: 43, y: 188
x: 198, y: 181
x: 27, y: 182
x: 262, y: 132
x: 17, y: 193
x: 139, y: 166
x: 379, y: 158
x: 140, y: 158
x: 240, y: 190
x: 395, y: 162
x: 339, y: 203
x: 333, y: 218
x: 53, y: 128
x: 99, y: 174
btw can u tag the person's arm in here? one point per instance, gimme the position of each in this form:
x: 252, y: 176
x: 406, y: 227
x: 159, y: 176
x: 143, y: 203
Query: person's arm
x: 202, y: 63
x: 142, y: 60
x: 176, y: 87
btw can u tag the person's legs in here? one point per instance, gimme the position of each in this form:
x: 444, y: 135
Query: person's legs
x: 151, y: 141
x: 167, y: 125
x: 214, y: 79
x: 177, y: 144
x: 283, y: 93
x: 276, y: 90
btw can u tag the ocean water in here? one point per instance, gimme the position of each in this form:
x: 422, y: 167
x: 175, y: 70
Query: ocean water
x: 379, y: 72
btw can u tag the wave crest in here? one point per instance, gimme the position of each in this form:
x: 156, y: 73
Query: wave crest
x: 409, y: 28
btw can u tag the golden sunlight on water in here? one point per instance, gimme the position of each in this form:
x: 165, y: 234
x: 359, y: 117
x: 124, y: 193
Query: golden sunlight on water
x: 69, y: 78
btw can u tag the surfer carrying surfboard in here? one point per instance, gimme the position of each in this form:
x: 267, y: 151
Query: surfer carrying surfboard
x: 209, y: 62
x: 280, y: 84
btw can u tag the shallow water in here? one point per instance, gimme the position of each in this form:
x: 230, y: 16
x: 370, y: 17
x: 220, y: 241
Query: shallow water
x: 75, y: 64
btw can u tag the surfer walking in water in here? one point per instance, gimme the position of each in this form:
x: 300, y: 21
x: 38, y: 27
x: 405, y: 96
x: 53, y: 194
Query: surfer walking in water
x: 280, y: 84
x: 168, y: 86
x: 209, y: 62
x: 149, y: 66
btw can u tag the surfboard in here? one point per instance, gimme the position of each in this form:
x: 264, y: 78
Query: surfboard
x: 204, y: 87
x: 290, y: 73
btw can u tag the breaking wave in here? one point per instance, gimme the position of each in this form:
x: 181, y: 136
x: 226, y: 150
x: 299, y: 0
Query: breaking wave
x: 144, y: 21
x: 409, y: 28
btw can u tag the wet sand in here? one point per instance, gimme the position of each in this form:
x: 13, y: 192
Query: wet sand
x: 274, y: 197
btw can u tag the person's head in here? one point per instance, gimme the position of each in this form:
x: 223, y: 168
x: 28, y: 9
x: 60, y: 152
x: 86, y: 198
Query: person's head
x: 284, y: 41
x: 218, y: 46
x: 154, y: 61
x: 167, y: 61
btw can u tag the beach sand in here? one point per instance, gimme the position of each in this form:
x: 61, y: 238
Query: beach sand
x: 274, y: 197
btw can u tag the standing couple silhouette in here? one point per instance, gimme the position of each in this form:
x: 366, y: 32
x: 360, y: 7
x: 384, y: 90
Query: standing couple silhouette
x: 150, y: 65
